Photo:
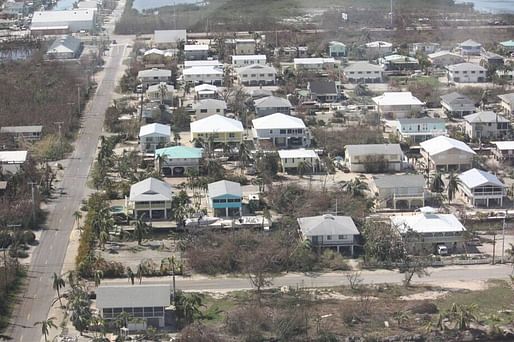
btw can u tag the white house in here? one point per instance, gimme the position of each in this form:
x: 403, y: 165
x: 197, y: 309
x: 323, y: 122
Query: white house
x: 206, y: 91
x: 336, y: 49
x: 403, y: 191
x: 504, y: 150
x: 244, y: 60
x: 398, y: 104
x: 161, y: 92
x: 445, y: 58
x: 52, y: 22
x: 153, y: 136
x: 22, y: 133
x: 470, y: 48
x: 447, y: 154
x: 507, y: 103
x: 208, y: 107
x: 213, y: 63
x: 373, y: 158
x: 281, y: 130
x: 424, y: 231
x: 153, y: 76
x: 11, y: 161
x: 364, y: 72
x: 220, y: 128
x: 146, y: 303
x: 330, y: 231
x: 245, y: 46
x: 196, y: 52
x: 272, y: 104
x: 480, y: 187
x: 466, y: 73
x: 457, y: 105
x: 256, y: 74
x: 203, y: 74
x: 314, y: 64
x: 150, y: 199
x: 293, y: 159
x: 486, y: 125
x: 425, y: 48
x: 377, y: 49
x: 420, y: 129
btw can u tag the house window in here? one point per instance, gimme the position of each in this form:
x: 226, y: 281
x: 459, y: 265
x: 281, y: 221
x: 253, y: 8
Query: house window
x: 270, y: 131
x: 217, y: 110
x: 341, y: 237
x: 203, y: 110
x: 289, y: 131
x: 282, y: 131
x: 232, y: 135
x: 234, y: 200
x: 329, y: 237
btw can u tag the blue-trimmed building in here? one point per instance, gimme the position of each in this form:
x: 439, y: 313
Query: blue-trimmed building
x: 225, y: 198
x: 176, y: 160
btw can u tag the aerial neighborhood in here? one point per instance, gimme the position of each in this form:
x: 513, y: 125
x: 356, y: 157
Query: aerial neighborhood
x: 175, y: 173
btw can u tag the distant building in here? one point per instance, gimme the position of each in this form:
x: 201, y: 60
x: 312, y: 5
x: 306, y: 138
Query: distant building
x: 398, y: 104
x: 398, y: 64
x: 399, y: 191
x: 160, y: 92
x: 208, y: 107
x: 507, y: 103
x: 336, y: 49
x: 470, y: 48
x: 256, y: 74
x: 314, y: 64
x: 457, y: 105
x: 165, y: 39
x: 443, y: 153
x: 481, y: 188
x: 150, y: 199
x: 377, y: 49
x: 424, y: 48
x: 61, y: 22
x: 245, y: 46
x: 374, y: 158
x: 220, y: 128
x: 203, y: 75
x: 287, y: 53
x: 504, y: 150
x: 245, y: 60
x: 11, y: 161
x: 364, y: 72
x: 272, y: 104
x: 324, y: 91
x: 196, y: 52
x: 67, y: 47
x: 445, y: 58
x: 22, y: 133
x: 508, y: 45
x: 466, y: 73
x: 206, y: 91
x: 420, y: 129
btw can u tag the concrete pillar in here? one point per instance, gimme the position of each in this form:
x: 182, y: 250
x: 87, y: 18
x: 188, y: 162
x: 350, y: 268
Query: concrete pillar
x: 226, y: 212
x: 487, y: 201
x: 352, y: 250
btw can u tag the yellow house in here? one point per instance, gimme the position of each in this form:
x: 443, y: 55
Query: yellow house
x: 220, y: 128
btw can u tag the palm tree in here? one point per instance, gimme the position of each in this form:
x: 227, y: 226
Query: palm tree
x: 57, y: 284
x: 437, y: 184
x: 77, y: 215
x: 130, y: 275
x: 463, y: 315
x: 244, y: 155
x: 172, y: 266
x: 304, y: 167
x: 99, y: 274
x: 46, y: 325
x: 163, y: 89
x: 190, y: 306
x: 141, y: 269
x: 453, y: 185
x: 140, y: 229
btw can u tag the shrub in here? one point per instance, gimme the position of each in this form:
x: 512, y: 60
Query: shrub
x: 29, y: 237
x: 333, y: 261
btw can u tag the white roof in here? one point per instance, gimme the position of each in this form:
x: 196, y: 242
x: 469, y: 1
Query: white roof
x: 504, y: 145
x: 202, y: 70
x: 363, y: 66
x: 277, y: 121
x: 169, y: 36
x: 200, y: 47
x: 216, y: 123
x: 224, y: 187
x: 13, y: 157
x: 272, y: 102
x: 154, y: 72
x: 247, y: 57
x: 298, y: 153
x: 487, y: 116
x: 130, y: 296
x: 155, y: 128
x: 257, y: 68
x: 471, y: 43
x: 475, y: 177
x: 465, y: 67
x: 42, y: 19
x: 205, y: 87
x: 378, y: 43
x: 398, y: 98
x: 443, y: 53
x: 313, y: 60
x: 441, y: 144
x: 202, y: 63
x: 155, y: 51
x: 157, y: 87
x: 428, y: 223
x: 210, y: 103
x: 327, y: 225
x: 150, y: 189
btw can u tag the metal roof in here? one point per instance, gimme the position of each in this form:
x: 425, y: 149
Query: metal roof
x: 363, y: 66
x: 487, y: 116
x: 507, y: 98
x: 216, y: 123
x: 442, y: 144
x: 327, y: 225
x: 397, y: 98
x: 456, y: 98
x: 69, y: 43
x: 298, y: 153
x: 131, y: 296
x: 21, y: 129
x: 179, y: 152
x: 154, y: 73
x: 150, y: 189
x: 465, y: 67
x: 428, y: 223
x: 13, y: 157
x: 224, y: 187
x: 272, y: 102
x: 277, y: 121
x: 368, y: 149
x: 425, y: 120
x: 475, y: 177
x: 399, y: 181
x: 470, y: 43
x: 209, y: 103
x: 155, y: 128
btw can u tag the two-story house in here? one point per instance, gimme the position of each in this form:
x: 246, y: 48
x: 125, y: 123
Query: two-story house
x: 20, y: 134
x: 256, y: 74
x: 457, y: 105
x: 364, y: 72
x: 313, y: 64
x: 161, y: 92
x: 245, y: 46
x: 420, y: 129
x: 445, y: 153
x: 398, y: 104
x: 373, y: 158
x: 281, y: 130
x: 486, y: 125
x: 245, y: 60
x: 272, y: 104
x: 507, y: 103
x: 296, y: 158
x: 225, y: 198
x: 178, y: 160
x: 206, y: 91
x: 323, y: 91
x: 208, y: 107
x: 203, y: 74
x: 399, y: 191
x: 377, y: 49
x: 399, y: 64
x: 196, y: 52
x: 466, y: 73
x: 150, y: 199
x: 336, y: 49
x: 480, y: 187
x: 330, y: 231
x: 153, y: 76
x: 444, y: 58
x: 153, y: 136
x: 217, y: 128
x: 470, y: 48
x: 287, y: 53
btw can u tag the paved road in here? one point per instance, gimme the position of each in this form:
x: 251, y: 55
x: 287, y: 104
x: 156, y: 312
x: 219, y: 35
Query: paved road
x: 453, y: 276
x: 48, y: 257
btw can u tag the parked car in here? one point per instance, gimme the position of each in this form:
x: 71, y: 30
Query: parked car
x: 442, y: 250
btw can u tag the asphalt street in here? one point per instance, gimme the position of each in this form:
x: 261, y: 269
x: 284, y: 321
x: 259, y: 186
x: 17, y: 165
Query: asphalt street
x: 48, y: 257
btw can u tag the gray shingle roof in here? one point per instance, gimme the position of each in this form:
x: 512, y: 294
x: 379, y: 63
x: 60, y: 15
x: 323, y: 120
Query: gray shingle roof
x: 327, y: 225
x: 129, y: 296
x: 224, y: 187
x: 486, y: 116
x: 68, y: 42
x: 322, y: 87
x: 456, y: 98
x: 366, y: 149
x: 272, y: 101
x: 399, y: 181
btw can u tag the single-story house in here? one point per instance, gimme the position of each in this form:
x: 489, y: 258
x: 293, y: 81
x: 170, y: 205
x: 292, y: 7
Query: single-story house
x: 398, y: 104
x: 272, y: 104
x: 152, y: 198
x: 293, y: 159
x: 446, y: 153
x: 222, y: 129
x: 22, y: 133
x: 364, y: 72
x: 161, y: 92
x: 196, y: 52
x: 245, y: 60
x: 424, y: 48
x: 480, y: 187
x: 507, y: 103
x: 153, y: 56
x: 206, y: 91
x: 165, y: 39
x: 330, y: 231
x: 424, y: 231
x: 374, y: 158
x: 445, y: 58
x: 287, y: 53
x: 225, y: 198
x: 492, y: 59
x: 203, y: 74
x: 403, y: 191
x: 324, y: 91
x: 420, y: 129
x: 470, y: 48
x: 153, y: 136
x: 336, y: 49
x: 486, y: 125
x: 146, y: 303
x: 457, y: 105
x: 313, y: 64
x: 11, y: 161
x: 178, y: 160
x: 466, y: 73
x: 377, y: 49
x: 281, y: 130
x: 256, y: 74
x: 208, y: 107
x: 154, y: 76
x: 66, y: 47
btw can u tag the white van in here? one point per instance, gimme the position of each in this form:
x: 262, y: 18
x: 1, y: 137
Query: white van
x: 442, y: 250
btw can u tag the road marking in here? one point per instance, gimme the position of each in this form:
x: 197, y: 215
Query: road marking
x: 28, y: 316
x: 21, y: 338
x: 46, y: 262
